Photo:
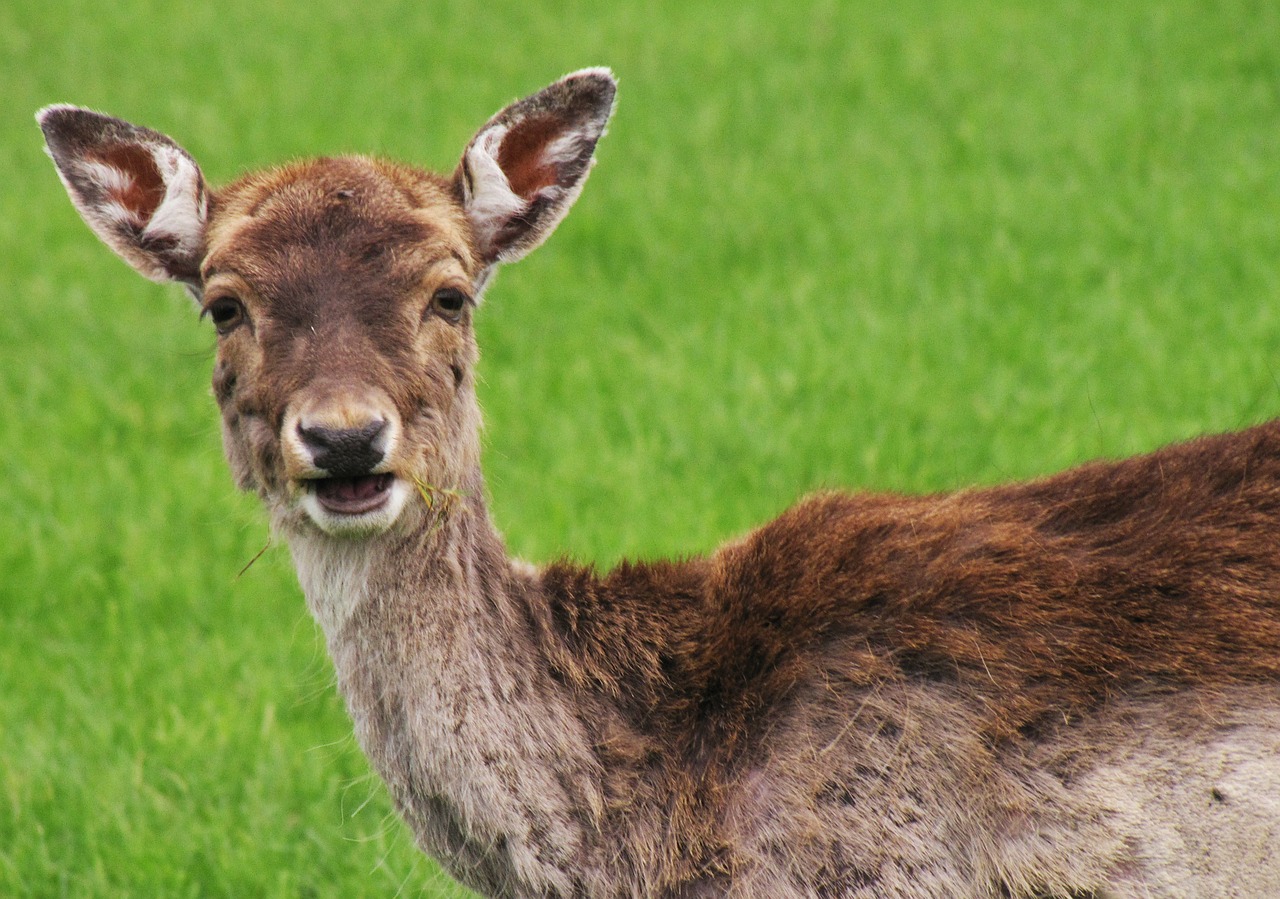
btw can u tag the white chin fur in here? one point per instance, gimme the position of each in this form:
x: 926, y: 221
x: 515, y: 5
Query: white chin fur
x: 374, y: 522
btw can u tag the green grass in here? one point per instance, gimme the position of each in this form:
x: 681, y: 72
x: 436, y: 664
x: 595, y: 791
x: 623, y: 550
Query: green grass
x: 906, y: 246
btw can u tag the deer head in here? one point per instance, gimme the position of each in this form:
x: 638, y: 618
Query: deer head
x: 342, y: 290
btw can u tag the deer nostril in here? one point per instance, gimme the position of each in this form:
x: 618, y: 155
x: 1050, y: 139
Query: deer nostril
x: 343, y: 452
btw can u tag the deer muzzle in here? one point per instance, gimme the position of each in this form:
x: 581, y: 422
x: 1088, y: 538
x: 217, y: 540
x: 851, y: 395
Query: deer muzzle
x: 340, y: 452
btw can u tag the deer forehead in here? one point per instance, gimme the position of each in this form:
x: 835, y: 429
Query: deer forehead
x: 331, y: 229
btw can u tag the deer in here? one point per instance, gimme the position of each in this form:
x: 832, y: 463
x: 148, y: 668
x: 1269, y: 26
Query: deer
x: 1062, y: 688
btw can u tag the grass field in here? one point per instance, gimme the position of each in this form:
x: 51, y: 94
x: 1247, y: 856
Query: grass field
x: 908, y: 246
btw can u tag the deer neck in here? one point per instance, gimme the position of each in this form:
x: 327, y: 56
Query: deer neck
x: 477, y: 742
x: 446, y: 555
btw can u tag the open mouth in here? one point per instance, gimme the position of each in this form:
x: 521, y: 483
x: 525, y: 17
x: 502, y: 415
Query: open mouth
x: 353, y: 496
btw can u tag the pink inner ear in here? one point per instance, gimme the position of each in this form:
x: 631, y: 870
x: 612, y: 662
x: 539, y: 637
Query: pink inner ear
x: 522, y: 155
x: 142, y: 191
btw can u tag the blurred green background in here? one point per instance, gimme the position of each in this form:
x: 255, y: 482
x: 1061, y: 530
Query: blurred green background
x: 909, y: 246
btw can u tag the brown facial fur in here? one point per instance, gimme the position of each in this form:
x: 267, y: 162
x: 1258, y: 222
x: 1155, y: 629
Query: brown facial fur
x: 336, y: 262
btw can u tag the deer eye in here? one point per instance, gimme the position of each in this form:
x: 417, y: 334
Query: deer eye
x: 448, y: 302
x: 227, y: 313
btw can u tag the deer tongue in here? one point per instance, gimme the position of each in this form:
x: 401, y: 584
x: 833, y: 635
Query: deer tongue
x: 353, y: 496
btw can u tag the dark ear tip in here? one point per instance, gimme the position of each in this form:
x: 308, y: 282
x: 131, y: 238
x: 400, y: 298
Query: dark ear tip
x: 601, y: 75
x: 64, y: 124
x: 51, y: 118
x: 597, y: 85
x: 593, y: 89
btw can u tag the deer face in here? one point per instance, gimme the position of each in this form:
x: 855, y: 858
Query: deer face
x: 341, y: 290
x: 342, y: 293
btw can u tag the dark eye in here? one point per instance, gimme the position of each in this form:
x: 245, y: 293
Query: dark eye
x: 449, y: 301
x: 227, y: 313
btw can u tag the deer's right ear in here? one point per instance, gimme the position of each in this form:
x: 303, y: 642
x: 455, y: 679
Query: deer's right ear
x: 137, y: 189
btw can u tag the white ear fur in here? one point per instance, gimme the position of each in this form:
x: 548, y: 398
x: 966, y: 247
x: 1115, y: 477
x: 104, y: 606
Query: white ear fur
x: 488, y: 198
x: 523, y: 170
x: 136, y: 189
x: 182, y: 214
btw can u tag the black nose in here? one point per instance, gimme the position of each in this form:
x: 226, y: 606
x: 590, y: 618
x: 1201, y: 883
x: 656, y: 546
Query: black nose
x: 344, y: 452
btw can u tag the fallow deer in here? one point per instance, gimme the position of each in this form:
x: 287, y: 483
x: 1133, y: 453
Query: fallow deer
x: 1062, y: 688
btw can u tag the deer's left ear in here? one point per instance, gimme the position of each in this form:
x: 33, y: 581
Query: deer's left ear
x: 137, y: 189
x: 524, y: 169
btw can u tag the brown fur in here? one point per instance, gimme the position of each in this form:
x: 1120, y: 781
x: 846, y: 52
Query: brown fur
x: 1040, y: 604
x: 1064, y: 688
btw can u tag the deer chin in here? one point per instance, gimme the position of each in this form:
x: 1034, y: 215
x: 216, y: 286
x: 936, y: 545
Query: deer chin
x: 354, y: 506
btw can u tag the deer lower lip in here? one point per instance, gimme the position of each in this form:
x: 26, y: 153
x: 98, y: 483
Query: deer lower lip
x: 353, y: 496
